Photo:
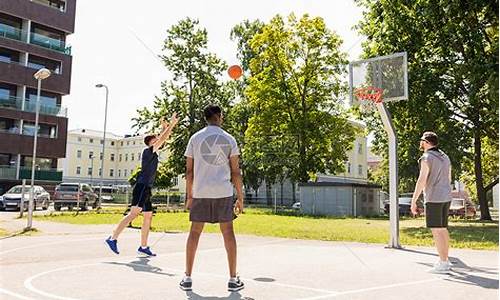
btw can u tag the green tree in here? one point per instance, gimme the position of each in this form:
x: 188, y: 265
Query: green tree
x: 196, y: 82
x: 452, y: 50
x: 294, y: 89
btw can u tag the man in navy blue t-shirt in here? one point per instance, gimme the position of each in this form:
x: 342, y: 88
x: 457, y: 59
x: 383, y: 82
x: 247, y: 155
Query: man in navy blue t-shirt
x: 141, y: 195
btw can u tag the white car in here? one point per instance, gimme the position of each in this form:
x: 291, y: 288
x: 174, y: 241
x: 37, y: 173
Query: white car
x: 296, y: 205
x: 12, y: 198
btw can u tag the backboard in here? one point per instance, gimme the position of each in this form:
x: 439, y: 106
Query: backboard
x: 388, y: 73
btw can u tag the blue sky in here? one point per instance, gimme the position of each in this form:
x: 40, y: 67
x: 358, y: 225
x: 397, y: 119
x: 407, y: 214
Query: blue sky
x: 106, y: 50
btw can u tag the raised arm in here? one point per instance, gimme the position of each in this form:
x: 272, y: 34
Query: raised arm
x: 166, y: 132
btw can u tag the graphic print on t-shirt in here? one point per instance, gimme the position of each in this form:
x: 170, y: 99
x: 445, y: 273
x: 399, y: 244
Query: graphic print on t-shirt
x: 215, y: 149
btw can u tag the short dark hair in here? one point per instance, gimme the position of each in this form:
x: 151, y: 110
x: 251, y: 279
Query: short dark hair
x: 211, y: 110
x: 430, y: 137
x: 148, y: 138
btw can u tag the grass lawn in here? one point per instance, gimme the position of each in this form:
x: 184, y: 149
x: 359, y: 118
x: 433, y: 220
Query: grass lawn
x: 464, y: 234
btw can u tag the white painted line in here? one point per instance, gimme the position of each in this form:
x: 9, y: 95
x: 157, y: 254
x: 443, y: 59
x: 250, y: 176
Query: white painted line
x: 16, y: 295
x: 372, y: 289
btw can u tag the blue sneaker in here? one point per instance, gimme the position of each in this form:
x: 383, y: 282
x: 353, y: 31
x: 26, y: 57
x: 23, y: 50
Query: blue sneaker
x: 112, y: 245
x: 145, y: 252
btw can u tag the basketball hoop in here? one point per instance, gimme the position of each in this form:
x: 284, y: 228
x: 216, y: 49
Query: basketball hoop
x: 370, y: 93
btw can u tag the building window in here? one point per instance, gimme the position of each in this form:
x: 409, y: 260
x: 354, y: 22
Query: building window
x: 120, y: 157
x: 91, y: 154
x: 112, y: 143
x: 44, y: 130
x: 100, y: 171
x: 360, y: 148
x: 126, y: 157
x: 111, y: 172
x: 125, y: 173
x: 79, y: 139
x: 119, y: 173
x: 102, y: 142
x: 175, y: 181
x: 100, y: 156
x: 112, y: 157
x: 121, y: 144
x: 132, y: 156
x: 89, y: 171
x: 360, y: 170
x: 133, y: 143
x: 79, y: 154
x: 78, y: 170
x: 349, y: 167
x: 91, y: 141
x: 128, y: 143
x: 139, y: 156
x: 131, y: 172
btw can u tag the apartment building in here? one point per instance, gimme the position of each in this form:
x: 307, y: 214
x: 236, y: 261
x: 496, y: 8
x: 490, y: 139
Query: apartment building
x: 33, y: 36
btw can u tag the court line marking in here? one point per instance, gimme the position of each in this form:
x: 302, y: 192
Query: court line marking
x: 19, y: 296
x: 381, y: 287
x: 29, y: 285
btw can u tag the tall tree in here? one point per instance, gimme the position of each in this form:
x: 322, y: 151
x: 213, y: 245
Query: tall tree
x: 453, y: 75
x: 196, y: 82
x: 294, y: 90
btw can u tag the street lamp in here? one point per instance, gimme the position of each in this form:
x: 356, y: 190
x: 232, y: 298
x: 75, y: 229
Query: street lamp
x: 40, y: 75
x: 100, y: 85
x: 91, y: 169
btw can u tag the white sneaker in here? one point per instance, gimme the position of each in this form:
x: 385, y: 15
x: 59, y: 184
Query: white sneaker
x: 441, y: 267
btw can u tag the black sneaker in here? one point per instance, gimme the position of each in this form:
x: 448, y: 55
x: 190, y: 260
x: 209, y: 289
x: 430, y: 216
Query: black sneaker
x: 235, y: 284
x: 186, y: 284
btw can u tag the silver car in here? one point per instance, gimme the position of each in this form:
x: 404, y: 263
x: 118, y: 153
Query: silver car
x: 12, y: 198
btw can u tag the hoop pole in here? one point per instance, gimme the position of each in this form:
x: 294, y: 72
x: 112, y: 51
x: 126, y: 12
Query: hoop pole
x: 393, y: 175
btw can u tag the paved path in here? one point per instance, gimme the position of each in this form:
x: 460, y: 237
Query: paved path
x: 71, y: 262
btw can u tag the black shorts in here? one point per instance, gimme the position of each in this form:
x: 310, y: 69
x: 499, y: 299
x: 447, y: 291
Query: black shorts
x: 141, y: 197
x: 436, y: 214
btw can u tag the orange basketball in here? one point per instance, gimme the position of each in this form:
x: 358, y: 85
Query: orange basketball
x: 235, y: 72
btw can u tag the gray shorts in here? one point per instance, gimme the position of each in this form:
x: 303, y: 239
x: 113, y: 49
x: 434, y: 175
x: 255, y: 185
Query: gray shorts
x: 212, y: 210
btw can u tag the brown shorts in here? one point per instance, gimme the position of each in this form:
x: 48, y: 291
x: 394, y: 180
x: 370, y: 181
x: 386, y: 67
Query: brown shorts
x: 211, y: 210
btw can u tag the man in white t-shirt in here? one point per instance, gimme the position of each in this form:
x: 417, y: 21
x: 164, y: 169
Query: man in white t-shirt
x: 212, y: 163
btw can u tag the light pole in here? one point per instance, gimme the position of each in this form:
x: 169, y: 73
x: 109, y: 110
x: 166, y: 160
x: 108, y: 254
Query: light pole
x: 100, y: 85
x: 91, y: 169
x: 39, y: 75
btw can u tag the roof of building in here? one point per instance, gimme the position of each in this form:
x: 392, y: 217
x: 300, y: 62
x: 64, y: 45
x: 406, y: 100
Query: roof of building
x: 99, y: 134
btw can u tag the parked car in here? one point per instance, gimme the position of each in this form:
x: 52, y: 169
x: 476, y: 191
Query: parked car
x: 69, y: 194
x: 296, y: 205
x: 405, y: 205
x: 12, y: 198
x: 457, y: 208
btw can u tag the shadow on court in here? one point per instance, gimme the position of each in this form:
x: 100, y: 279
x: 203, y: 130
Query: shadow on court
x: 142, y: 265
x: 232, y: 296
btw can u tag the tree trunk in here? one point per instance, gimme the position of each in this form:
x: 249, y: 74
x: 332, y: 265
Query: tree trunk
x: 478, y: 171
x: 269, y: 197
x: 293, y: 192
x: 281, y: 196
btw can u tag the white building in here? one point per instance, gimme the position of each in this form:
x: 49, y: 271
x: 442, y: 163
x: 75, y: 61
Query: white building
x: 84, y: 157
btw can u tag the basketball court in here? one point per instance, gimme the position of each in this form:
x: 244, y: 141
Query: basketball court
x: 74, y: 263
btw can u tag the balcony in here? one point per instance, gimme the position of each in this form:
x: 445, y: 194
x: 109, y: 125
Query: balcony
x: 10, y: 32
x: 58, y: 5
x: 16, y: 103
x: 45, y: 174
x: 49, y: 43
